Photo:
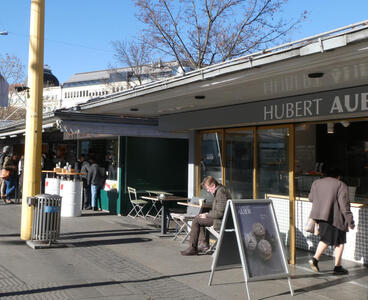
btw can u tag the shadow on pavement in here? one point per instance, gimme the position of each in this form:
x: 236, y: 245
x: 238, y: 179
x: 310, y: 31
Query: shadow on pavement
x: 92, y: 234
x: 109, y: 242
x: 94, y: 284
x: 324, y: 284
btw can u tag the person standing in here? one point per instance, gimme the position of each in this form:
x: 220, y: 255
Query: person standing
x: 10, y: 164
x: 5, y: 152
x: 198, y: 234
x: 331, y: 210
x: 96, y: 180
x: 20, y: 176
x: 84, y: 169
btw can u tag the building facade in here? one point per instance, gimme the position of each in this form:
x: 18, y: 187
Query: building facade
x: 82, y: 87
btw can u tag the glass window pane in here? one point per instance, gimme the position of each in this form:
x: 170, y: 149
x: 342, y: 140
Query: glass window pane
x: 239, y: 163
x: 211, y: 158
x: 273, y: 161
x: 306, y: 167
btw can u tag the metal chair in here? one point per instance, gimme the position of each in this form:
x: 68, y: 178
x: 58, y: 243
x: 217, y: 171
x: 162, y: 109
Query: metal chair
x: 138, y: 204
x: 184, y: 220
x: 216, y: 235
x: 155, y: 209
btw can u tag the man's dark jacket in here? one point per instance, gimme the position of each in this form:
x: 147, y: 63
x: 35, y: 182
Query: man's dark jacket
x: 218, y: 206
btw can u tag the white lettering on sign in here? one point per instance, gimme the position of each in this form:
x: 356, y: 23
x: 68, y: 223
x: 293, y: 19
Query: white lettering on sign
x: 351, y: 103
x: 291, y: 110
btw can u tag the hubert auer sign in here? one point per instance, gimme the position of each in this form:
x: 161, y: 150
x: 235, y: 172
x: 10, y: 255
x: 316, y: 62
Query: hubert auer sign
x: 311, y: 107
x: 349, y: 102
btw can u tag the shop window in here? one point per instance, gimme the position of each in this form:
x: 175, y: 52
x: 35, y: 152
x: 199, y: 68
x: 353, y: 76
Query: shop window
x: 342, y: 145
x: 273, y: 161
x: 239, y: 163
x: 211, y: 158
x: 306, y: 167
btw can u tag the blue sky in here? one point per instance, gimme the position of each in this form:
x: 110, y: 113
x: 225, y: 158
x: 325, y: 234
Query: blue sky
x: 78, y: 34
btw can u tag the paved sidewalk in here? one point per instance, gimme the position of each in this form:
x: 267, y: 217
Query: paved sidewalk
x: 111, y: 257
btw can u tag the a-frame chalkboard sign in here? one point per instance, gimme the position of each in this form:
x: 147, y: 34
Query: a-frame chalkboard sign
x: 250, y: 238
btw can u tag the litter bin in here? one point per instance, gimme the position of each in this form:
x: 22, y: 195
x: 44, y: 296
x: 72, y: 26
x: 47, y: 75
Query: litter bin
x: 71, y: 193
x: 46, y: 217
x: 52, y: 186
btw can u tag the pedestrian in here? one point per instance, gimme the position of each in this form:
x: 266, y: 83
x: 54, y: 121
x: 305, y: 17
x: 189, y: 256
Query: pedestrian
x: 11, y: 165
x: 84, y: 169
x: 331, y: 211
x: 199, y: 238
x: 6, y: 150
x: 20, y: 176
x: 96, y: 179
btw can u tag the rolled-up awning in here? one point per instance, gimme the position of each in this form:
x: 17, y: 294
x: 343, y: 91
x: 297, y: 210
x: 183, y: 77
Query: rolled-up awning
x: 114, y: 129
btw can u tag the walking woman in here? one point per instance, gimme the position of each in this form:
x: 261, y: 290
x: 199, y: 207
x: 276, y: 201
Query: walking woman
x: 331, y: 210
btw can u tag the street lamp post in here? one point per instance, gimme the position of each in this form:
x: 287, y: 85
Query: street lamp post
x: 33, y: 139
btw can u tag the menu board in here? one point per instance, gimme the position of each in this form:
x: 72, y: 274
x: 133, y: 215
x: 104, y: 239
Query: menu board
x: 249, y: 237
x: 259, y: 236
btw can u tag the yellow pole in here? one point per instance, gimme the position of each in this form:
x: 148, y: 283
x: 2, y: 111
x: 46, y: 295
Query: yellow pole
x: 292, y: 239
x: 33, y: 139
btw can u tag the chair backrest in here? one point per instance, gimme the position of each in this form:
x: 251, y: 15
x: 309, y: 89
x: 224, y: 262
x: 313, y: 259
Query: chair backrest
x: 132, y: 193
x: 194, y: 210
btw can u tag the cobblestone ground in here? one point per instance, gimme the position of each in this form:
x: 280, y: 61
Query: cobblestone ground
x: 127, y: 279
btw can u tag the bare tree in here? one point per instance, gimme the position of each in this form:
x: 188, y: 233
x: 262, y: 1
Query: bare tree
x: 12, y: 70
x: 204, y: 32
x: 136, y: 56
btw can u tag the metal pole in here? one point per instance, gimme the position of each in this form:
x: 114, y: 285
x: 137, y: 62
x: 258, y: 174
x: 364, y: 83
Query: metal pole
x: 292, y: 239
x: 33, y: 139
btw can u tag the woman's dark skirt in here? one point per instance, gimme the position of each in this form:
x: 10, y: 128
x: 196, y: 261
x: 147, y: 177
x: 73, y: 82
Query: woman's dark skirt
x: 330, y: 234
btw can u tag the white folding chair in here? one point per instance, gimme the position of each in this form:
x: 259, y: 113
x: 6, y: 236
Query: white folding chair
x: 138, y: 204
x: 216, y: 235
x: 155, y: 209
x: 184, y: 220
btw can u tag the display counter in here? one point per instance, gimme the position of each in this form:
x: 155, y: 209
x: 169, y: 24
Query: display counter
x: 356, y: 247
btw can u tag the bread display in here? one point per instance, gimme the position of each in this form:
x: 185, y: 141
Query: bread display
x: 256, y: 242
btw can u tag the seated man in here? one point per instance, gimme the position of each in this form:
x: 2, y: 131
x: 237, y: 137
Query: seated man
x: 213, y: 217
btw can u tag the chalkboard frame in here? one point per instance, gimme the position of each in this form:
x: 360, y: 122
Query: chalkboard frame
x: 233, y: 228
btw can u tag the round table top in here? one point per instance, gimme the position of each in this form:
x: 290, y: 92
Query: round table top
x: 70, y: 173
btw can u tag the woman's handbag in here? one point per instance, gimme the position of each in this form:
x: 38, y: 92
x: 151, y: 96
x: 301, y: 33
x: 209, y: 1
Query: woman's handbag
x: 312, y: 226
x: 4, y: 174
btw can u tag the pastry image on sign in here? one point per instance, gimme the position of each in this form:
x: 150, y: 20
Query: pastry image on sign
x: 250, y: 242
x: 259, y: 231
x: 264, y: 249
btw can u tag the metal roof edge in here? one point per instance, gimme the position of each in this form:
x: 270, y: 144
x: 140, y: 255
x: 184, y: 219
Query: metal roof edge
x: 294, y: 49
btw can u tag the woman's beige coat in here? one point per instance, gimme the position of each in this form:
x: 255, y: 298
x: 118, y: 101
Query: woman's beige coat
x: 330, y: 195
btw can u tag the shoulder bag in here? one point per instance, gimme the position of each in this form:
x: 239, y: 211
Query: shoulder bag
x: 4, y: 174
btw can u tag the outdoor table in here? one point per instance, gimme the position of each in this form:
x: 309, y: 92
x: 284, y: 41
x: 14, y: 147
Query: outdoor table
x: 159, y: 192
x: 168, y: 199
x: 203, y: 205
x: 47, y: 172
x: 155, y: 204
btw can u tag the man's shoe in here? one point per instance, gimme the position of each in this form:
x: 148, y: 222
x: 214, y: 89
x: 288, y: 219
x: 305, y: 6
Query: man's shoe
x: 313, y: 263
x: 189, y: 251
x: 88, y: 208
x: 339, y: 270
x: 94, y: 208
x: 203, y: 248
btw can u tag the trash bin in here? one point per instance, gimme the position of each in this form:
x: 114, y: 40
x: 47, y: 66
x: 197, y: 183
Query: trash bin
x: 71, y: 193
x: 52, y: 186
x: 46, y: 217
